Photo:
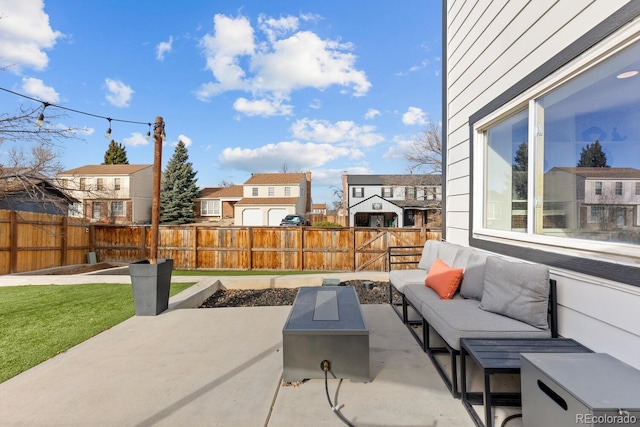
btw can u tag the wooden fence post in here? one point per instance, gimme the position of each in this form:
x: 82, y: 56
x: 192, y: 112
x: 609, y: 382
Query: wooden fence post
x: 249, y: 247
x: 301, y: 249
x: 194, y: 264
x: 64, y: 226
x: 14, y: 241
x: 143, y: 242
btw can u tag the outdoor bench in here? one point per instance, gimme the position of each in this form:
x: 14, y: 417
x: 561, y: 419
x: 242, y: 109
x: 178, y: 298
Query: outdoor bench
x: 496, y: 298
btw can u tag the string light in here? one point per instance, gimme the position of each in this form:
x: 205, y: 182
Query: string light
x: 148, y: 132
x: 108, y: 134
x: 40, y: 120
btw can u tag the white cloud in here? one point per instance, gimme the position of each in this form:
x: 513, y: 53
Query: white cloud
x: 371, y: 113
x: 118, y: 93
x: 279, y: 64
x: 163, y: 47
x: 272, y: 156
x: 400, y: 146
x: 37, y: 88
x: 345, y: 133
x: 334, y: 176
x: 414, y: 116
x: 187, y: 141
x: 136, y: 139
x: 25, y: 35
x: 315, y: 104
x: 262, y: 107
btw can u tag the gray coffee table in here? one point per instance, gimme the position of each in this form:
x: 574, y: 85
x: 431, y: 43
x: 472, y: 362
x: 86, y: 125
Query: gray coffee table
x: 325, y: 323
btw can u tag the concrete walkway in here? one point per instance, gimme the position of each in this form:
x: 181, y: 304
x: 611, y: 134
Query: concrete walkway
x: 222, y: 367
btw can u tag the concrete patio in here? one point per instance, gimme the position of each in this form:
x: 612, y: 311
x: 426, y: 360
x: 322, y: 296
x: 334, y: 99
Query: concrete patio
x: 222, y: 367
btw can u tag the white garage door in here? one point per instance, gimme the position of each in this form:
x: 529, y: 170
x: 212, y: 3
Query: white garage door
x: 251, y: 217
x: 276, y: 215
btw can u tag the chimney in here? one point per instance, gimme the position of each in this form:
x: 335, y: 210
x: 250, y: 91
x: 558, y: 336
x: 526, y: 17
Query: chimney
x: 345, y: 194
x: 309, y: 206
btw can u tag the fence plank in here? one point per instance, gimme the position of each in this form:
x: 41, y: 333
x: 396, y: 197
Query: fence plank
x: 33, y: 241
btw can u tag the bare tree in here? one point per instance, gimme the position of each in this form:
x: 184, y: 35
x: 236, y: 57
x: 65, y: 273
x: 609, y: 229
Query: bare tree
x: 30, y: 161
x: 338, y: 202
x: 425, y: 152
x: 225, y: 184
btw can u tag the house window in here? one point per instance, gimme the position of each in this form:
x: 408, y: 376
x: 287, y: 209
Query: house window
x: 272, y: 192
x: 83, y: 183
x: 116, y: 184
x: 117, y: 208
x: 637, y: 188
x: 538, y: 155
x: 357, y: 192
x: 387, y: 191
x: 409, y: 193
x: 100, y: 184
x: 254, y: 191
x: 95, y: 210
x: 287, y: 191
x: 75, y: 210
x: 210, y: 208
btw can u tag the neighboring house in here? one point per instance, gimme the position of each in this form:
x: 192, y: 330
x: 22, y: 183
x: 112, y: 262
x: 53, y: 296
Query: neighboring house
x: 117, y: 194
x: 319, y: 208
x: 592, y: 202
x: 391, y: 200
x: 527, y: 86
x: 217, y: 203
x: 33, y: 194
x: 269, y: 197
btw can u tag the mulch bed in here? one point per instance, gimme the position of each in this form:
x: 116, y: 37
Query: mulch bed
x: 378, y: 294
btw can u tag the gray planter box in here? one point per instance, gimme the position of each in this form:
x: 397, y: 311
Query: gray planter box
x: 151, y: 283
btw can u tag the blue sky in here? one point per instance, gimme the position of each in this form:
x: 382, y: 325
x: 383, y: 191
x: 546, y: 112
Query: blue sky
x: 250, y: 86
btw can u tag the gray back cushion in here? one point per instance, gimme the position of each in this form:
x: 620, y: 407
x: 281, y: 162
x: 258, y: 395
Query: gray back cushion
x: 517, y: 290
x: 429, y: 254
x: 473, y: 262
x: 447, y: 252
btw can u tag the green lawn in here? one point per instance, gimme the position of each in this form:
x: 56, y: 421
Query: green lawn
x: 38, y: 322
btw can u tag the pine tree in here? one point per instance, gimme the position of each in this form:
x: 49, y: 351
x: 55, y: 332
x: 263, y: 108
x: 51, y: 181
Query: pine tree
x: 520, y: 167
x: 179, y: 190
x: 116, y: 154
x: 592, y: 156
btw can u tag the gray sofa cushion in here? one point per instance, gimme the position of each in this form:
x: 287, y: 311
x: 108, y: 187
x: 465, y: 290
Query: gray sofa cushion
x: 473, y: 262
x: 462, y: 318
x: 429, y: 254
x: 401, y: 278
x: 436, y: 249
x: 416, y: 294
x: 517, y: 290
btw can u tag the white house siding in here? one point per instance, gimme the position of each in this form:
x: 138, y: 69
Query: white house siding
x: 491, y: 46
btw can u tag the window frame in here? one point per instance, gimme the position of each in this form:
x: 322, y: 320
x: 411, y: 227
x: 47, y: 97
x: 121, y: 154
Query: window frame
x: 613, y: 262
x: 205, y: 211
x: 118, y: 213
x: 355, y: 190
x: 387, y: 192
x: 117, y: 186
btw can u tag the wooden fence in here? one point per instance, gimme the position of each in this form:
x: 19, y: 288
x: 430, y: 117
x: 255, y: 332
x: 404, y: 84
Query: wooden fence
x: 35, y: 241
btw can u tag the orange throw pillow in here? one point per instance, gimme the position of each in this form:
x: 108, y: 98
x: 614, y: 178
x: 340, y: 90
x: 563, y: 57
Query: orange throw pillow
x: 443, y: 279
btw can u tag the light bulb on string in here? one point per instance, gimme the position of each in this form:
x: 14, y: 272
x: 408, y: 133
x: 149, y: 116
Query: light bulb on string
x: 108, y: 134
x: 148, y: 132
x: 40, y: 120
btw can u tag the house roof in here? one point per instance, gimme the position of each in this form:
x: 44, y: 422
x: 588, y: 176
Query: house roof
x: 233, y: 192
x: 319, y: 206
x: 275, y: 178
x: 268, y: 201
x: 603, y: 173
x: 398, y: 180
x: 105, y: 170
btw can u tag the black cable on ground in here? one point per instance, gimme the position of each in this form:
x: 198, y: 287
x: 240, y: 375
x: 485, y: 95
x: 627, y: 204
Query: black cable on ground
x: 335, y: 409
x: 509, y: 418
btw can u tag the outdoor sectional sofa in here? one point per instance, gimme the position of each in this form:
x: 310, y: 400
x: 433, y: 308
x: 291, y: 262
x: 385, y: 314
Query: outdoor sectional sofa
x: 496, y: 298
